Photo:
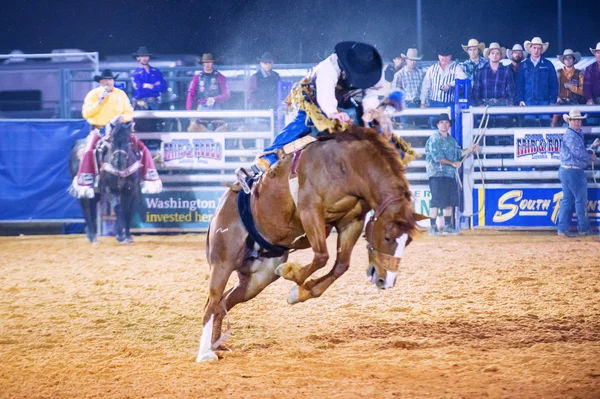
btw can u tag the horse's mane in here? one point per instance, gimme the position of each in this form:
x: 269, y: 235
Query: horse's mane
x: 385, y: 150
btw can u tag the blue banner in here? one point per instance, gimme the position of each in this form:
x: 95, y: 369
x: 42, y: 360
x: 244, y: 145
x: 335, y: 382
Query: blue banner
x: 177, y: 210
x: 525, y: 207
x: 34, y: 169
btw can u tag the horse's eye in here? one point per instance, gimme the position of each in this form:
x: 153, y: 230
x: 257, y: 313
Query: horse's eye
x: 388, y: 240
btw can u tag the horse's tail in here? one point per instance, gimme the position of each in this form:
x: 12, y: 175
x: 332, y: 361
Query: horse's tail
x: 208, y: 245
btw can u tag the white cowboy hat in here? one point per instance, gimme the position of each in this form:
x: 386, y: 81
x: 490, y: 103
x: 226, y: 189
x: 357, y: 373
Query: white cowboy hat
x: 494, y: 46
x: 474, y: 43
x: 536, y: 40
x: 575, y: 113
x: 516, y: 47
x: 593, y: 50
x: 575, y: 54
x: 412, y: 54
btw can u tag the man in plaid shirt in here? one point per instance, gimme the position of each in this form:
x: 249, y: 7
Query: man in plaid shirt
x: 410, y: 78
x: 493, y: 83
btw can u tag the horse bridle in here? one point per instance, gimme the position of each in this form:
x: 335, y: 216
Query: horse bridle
x: 388, y: 262
x: 108, y: 167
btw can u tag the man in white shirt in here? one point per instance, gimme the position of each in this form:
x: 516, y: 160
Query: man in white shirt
x: 338, y: 90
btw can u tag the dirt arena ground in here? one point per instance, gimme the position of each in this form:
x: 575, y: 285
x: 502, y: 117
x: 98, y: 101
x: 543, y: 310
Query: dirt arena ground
x: 486, y: 314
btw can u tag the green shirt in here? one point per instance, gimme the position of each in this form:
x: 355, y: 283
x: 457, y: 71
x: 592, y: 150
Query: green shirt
x: 437, y: 148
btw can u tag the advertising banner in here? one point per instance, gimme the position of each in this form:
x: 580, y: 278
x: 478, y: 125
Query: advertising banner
x: 525, y: 206
x: 192, y: 150
x: 541, y: 147
x: 34, y: 169
x: 177, y: 210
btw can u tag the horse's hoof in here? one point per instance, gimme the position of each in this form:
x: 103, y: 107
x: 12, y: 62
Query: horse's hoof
x: 288, y: 271
x: 92, y: 239
x: 293, y: 295
x: 209, y: 356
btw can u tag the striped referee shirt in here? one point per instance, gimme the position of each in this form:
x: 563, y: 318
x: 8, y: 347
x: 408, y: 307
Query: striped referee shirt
x: 436, y: 77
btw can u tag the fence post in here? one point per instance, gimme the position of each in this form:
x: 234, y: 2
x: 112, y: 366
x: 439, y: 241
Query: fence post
x: 65, y: 93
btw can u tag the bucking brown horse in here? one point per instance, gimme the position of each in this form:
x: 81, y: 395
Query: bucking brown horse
x: 340, y: 178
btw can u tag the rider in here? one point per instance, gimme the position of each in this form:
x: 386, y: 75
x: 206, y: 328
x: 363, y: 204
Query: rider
x: 337, y: 91
x: 100, y: 107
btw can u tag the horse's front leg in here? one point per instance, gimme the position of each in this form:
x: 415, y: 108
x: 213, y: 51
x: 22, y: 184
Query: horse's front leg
x: 348, y: 234
x: 313, y: 221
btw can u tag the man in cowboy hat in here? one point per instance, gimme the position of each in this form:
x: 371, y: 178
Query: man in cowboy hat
x: 209, y: 88
x: 147, y: 82
x: 410, y: 79
x: 474, y: 49
x: 574, y: 160
x: 536, y: 80
x: 516, y: 56
x: 494, y: 84
x: 570, y: 82
x: 263, y: 85
x: 438, y: 85
x: 591, y: 80
x: 443, y: 156
x: 390, y: 70
x: 328, y: 96
x: 101, y: 106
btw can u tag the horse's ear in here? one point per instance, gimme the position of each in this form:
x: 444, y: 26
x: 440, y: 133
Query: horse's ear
x: 418, y: 216
x: 127, y: 125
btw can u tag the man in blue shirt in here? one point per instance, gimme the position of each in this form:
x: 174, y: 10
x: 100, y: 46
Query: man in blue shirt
x: 574, y: 160
x: 147, y: 81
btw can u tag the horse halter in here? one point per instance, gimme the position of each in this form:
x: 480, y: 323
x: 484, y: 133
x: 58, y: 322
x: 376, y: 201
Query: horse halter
x: 388, y: 262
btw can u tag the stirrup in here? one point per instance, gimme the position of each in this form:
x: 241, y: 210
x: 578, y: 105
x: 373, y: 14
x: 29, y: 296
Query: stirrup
x: 242, y: 176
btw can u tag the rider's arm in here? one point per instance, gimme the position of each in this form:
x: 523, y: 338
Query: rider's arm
x: 328, y: 73
x: 191, y: 96
x: 91, y: 106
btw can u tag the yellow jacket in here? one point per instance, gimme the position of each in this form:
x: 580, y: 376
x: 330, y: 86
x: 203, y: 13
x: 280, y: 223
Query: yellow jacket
x: 115, y: 103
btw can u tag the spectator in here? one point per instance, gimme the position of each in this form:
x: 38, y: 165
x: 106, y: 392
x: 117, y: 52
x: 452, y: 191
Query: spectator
x: 263, y: 85
x: 591, y: 80
x: 536, y: 80
x: 438, y: 85
x: 570, y: 83
x: 147, y: 82
x: 100, y: 107
x: 389, y: 70
x: 474, y: 49
x: 337, y: 90
x: 574, y: 160
x: 409, y: 79
x: 494, y: 84
x: 443, y: 157
x: 516, y: 57
x: 208, y: 89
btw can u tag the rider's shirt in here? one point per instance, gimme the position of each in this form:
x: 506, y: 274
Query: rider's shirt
x: 153, y: 76
x: 332, y: 90
x: 114, y: 104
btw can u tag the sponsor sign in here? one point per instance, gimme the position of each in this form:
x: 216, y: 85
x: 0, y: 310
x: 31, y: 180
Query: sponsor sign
x: 541, y: 147
x: 192, y: 150
x: 177, y: 210
x: 526, y: 207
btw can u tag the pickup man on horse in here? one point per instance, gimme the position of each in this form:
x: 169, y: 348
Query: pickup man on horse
x: 101, y: 105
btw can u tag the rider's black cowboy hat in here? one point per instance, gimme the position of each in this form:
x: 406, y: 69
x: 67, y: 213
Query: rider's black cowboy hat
x: 106, y: 74
x: 142, y: 52
x: 443, y: 117
x: 361, y: 62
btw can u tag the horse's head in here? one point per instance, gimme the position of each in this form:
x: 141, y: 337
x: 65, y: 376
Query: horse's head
x: 388, y: 232
x: 121, y: 145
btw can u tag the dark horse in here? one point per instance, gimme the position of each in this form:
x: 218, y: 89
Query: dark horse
x: 341, y: 178
x: 119, y: 176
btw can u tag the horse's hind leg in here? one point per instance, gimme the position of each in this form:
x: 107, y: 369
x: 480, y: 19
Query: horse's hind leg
x: 88, y: 206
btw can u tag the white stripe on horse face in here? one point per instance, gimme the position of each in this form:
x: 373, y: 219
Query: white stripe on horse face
x: 401, y: 245
x: 390, y: 279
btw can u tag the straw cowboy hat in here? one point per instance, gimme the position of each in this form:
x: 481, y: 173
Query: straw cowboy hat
x: 593, y: 50
x: 361, y: 62
x: 575, y: 113
x: 142, y: 52
x: 535, y: 40
x: 494, y: 46
x: 474, y: 43
x: 411, y: 54
x: 516, y: 47
x: 206, y: 57
x: 575, y: 54
x: 106, y: 74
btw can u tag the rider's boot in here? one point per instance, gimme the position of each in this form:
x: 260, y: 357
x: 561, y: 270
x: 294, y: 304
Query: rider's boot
x: 254, y: 173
